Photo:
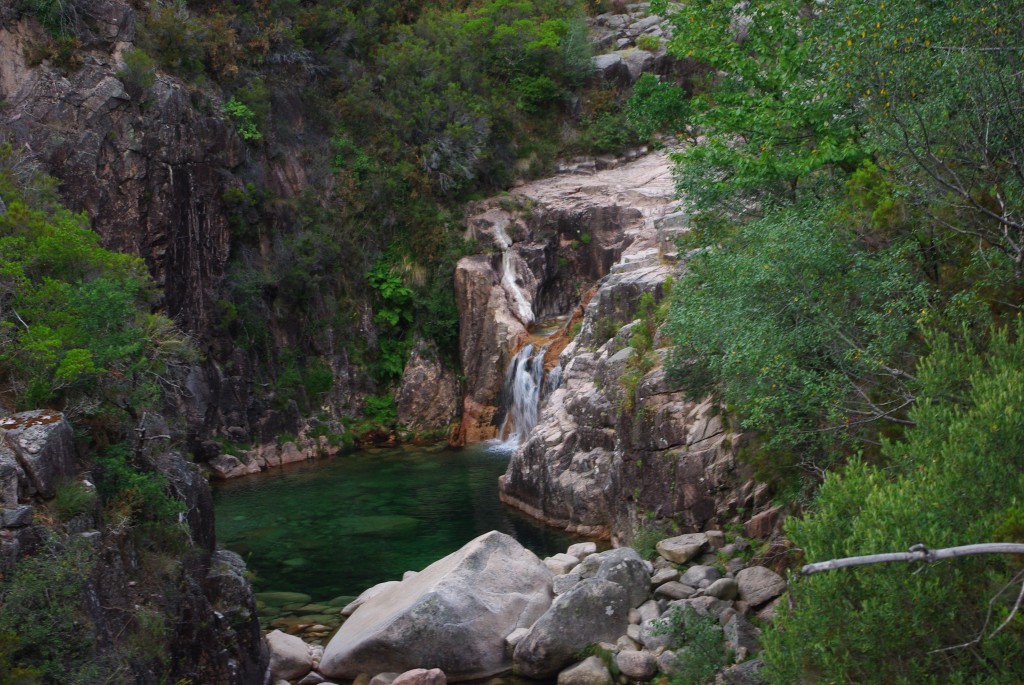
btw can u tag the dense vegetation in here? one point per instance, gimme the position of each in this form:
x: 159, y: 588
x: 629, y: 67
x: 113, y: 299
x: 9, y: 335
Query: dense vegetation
x: 400, y: 113
x: 78, y: 334
x: 854, y: 297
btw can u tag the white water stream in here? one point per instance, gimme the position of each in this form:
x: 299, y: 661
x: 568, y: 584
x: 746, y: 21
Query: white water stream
x: 523, y: 308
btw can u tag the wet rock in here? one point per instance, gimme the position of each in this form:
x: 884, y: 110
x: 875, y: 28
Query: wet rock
x: 455, y: 615
x: 594, y: 610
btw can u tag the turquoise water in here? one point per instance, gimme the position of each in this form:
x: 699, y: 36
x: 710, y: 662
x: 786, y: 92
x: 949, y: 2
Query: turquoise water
x: 336, y: 527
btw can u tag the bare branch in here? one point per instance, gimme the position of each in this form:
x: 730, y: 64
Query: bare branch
x: 916, y: 553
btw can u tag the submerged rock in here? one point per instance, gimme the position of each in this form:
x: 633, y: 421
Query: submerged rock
x: 453, y: 615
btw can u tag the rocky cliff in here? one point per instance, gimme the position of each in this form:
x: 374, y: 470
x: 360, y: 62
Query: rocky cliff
x: 164, y: 604
x: 617, y: 445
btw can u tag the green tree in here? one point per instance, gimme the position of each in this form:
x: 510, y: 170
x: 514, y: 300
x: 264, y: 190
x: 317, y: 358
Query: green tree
x: 956, y: 479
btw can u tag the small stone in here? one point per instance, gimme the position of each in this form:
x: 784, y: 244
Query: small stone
x: 633, y: 632
x: 626, y: 644
x: 767, y: 613
x: 312, y: 678
x: 18, y: 517
x: 513, y: 638
x: 637, y: 665
x: 740, y: 634
x: 362, y: 679
x: 723, y: 588
x: 649, y: 611
x: 384, y: 678
x: 747, y: 673
x: 667, y: 662
x: 421, y: 676
x: 664, y: 575
x: 590, y: 671
x: 289, y: 657
x: 560, y: 564
x: 700, y: 576
x: 582, y: 550
x: 716, y: 539
x: 634, y: 617
x: 734, y: 566
x: 758, y: 585
x: 675, y: 590
x: 653, y: 635
x: 682, y: 548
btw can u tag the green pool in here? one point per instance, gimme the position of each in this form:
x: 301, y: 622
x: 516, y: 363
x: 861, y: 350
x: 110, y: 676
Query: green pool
x: 338, y: 526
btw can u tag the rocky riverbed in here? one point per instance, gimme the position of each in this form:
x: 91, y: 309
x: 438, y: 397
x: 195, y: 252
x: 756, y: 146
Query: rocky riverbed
x: 494, y: 608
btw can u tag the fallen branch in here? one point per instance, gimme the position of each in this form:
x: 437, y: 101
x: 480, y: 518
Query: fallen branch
x: 916, y: 553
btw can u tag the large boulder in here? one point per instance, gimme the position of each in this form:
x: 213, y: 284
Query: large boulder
x: 42, y: 443
x: 594, y: 610
x: 453, y: 615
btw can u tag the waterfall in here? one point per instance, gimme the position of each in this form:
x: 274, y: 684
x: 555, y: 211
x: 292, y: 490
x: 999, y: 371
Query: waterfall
x: 523, y: 308
x: 524, y: 381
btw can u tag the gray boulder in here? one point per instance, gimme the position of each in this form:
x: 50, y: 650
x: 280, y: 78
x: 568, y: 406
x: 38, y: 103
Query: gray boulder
x: 453, y: 615
x: 637, y: 665
x: 700, y: 576
x: 631, y: 574
x: 590, y: 671
x: 289, y: 657
x: 682, y: 548
x: 723, y: 588
x: 759, y: 585
x: 595, y: 610
x: 43, y: 444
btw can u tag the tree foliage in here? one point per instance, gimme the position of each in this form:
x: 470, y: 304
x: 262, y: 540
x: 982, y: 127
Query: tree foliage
x: 76, y: 319
x: 892, y: 624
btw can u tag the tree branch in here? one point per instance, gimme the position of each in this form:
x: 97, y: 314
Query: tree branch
x: 916, y: 553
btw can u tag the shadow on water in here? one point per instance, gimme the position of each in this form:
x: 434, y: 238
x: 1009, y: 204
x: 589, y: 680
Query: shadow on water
x: 337, y: 527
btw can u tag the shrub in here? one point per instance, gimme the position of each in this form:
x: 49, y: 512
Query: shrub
x: 244, y: 118
x: 648, y: 43
x: 895, y: 623
x: 73, y: 498
x: 133, y: 496
x: 698, y: 644
x: 139, y: 69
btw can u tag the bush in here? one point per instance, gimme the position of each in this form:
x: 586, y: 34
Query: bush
x: 73, y: 498
x: 132, y: 496
x: 698, y: 643
x: 895, y: 623
x: 648, y: 43
x: 139, y: 69
x: 42, y: 603
x: 244, y: 118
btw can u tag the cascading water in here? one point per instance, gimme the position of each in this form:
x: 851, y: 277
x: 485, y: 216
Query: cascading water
x: 524, y: 381
x: 523, y: 308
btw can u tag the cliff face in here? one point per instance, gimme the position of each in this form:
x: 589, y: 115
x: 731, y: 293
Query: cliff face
x: 164, y: 604
x: 549, y: 243
x: 146, y: 164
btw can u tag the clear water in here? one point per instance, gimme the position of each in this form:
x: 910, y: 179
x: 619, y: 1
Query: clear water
x: 338, y: 526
